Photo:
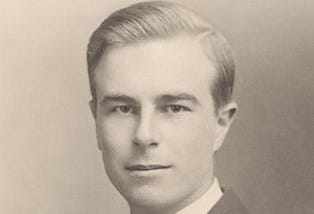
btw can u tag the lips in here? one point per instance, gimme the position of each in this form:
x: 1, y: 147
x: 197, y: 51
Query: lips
x: 140, y: 167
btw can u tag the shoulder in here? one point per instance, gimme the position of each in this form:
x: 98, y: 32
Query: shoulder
x: 229, y: 204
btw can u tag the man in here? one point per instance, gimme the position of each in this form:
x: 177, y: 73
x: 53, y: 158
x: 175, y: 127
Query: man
x: 161, y: 81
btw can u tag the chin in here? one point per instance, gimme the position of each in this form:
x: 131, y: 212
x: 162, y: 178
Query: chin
x: 155, y: 201
x: 148, y: 198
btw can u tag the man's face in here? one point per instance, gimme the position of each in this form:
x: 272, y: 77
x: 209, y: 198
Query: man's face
x: 155, y: 121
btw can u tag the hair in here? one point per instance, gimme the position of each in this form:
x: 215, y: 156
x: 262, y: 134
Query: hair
x: 147, y: 21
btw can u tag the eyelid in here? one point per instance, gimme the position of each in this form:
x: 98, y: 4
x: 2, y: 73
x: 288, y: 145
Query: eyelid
x: 115, y: 109
x: 165, y: 108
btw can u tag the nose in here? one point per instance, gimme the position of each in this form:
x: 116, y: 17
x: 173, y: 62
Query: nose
x: 144, y: 134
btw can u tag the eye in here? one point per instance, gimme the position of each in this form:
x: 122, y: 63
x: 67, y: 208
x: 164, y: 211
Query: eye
x: 175, y: 109
x: 123, y: 109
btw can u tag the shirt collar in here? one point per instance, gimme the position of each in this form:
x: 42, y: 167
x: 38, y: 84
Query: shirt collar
x: 206, y: 202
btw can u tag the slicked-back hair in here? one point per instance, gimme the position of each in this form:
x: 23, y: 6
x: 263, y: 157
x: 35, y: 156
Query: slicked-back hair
x: 147, y: 21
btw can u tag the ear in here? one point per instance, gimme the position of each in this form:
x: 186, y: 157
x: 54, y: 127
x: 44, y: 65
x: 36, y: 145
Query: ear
x: 225, y: 118
x: 92, y: 105
x: 93, y: 108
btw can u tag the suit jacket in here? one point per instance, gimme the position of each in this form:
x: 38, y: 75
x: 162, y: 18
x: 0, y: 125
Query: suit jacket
x: 229, y: 204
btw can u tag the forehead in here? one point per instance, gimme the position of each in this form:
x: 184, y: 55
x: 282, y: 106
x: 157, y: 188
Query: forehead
x: 174, y: 64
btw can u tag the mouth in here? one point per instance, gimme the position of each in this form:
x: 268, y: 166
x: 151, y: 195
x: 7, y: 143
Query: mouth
x: 140, y: 167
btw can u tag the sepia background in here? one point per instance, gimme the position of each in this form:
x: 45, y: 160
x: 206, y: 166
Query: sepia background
x: 49, y: 162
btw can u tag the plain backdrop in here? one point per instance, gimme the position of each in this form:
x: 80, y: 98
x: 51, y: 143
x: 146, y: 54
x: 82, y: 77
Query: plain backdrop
x: 49, y: 162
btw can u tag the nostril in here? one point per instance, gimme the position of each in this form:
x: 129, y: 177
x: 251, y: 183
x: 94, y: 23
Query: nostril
x: 145, y: 143
x: 153, y: 144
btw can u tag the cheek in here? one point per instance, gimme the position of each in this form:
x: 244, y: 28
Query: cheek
x: 114, y: 136
x: 193, y: 139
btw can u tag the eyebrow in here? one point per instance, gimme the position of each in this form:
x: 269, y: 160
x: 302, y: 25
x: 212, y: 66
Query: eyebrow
x: 118, y: 98
x: 164, y: 98
x: 168, y: 98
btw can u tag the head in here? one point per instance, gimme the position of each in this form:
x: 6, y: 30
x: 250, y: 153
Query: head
x: 161, y: 80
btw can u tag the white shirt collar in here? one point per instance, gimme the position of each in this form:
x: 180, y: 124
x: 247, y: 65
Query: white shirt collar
x: 206, y: 202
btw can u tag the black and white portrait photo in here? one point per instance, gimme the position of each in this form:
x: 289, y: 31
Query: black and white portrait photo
x: 156, y: 107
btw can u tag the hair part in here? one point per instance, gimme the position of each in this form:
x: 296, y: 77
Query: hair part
x: 147, y: 21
